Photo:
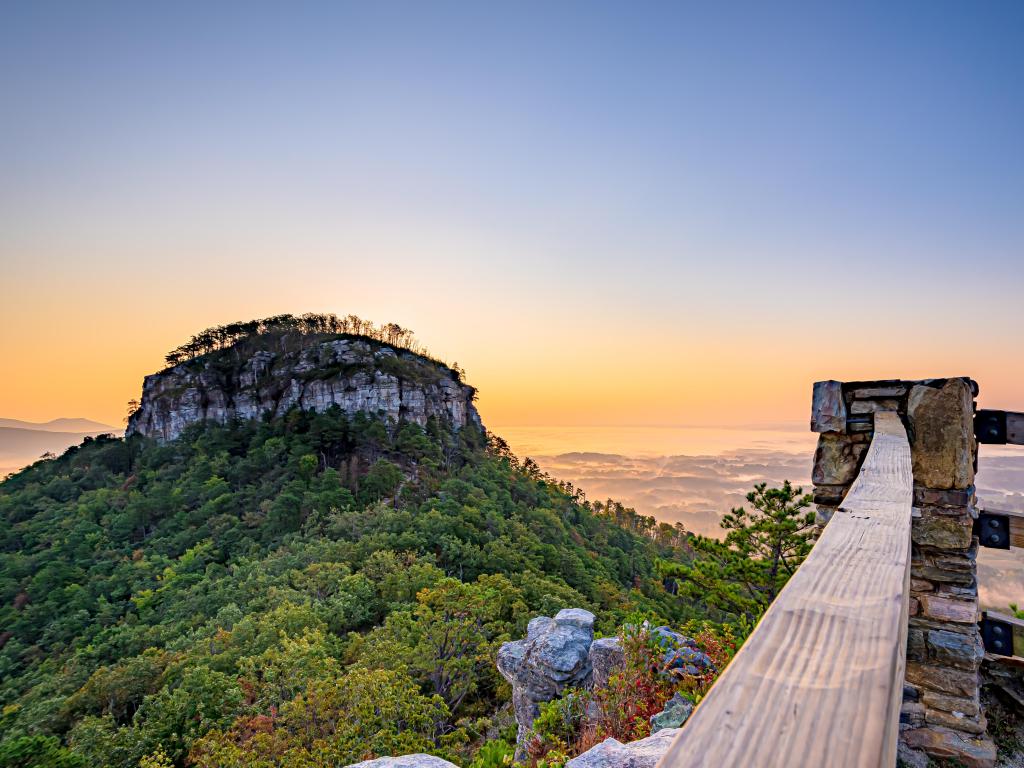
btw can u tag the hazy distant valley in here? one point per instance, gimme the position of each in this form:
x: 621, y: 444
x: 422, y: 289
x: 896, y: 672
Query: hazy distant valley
x: 23, y: 442
x: 693, y: 475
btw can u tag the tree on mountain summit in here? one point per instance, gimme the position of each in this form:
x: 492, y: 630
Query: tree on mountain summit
x: 311, y: 323
x: 743, y: 573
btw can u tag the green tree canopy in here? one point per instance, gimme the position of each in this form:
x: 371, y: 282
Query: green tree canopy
x: 168, y: 603
x: 743, y: 573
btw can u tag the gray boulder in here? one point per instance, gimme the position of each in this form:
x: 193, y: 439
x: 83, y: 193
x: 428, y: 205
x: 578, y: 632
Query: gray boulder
x: 405, y: 761
x: 554, y: 655
x: 606, y: 658
x: 669, y: 638
x: 682, y: 656
x: 612, y: 753
x: 676, y: 712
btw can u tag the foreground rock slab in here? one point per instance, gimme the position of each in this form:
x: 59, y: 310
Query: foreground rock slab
x: 612, y: 753
x: 405, y: 761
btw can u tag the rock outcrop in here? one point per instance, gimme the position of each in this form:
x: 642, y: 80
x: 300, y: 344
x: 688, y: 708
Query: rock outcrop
x: 554, y: 655
x: 676, y: 712
x: 612, y: 753
x: 561, y: 653
x: 355, y: 374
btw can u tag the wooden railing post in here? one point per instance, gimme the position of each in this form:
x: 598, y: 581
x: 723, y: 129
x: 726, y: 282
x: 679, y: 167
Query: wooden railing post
x: 820, y: 680
x: 942, y: 712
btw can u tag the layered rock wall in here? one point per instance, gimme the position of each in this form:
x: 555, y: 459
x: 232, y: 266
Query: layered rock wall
x: 357, y: 375
x: 942, y: 713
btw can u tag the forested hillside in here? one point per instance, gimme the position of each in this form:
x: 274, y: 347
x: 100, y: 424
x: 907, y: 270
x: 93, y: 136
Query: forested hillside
x: 302, y: 591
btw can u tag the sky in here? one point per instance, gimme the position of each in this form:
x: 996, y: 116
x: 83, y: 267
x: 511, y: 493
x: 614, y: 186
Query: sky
x: 607, y: 213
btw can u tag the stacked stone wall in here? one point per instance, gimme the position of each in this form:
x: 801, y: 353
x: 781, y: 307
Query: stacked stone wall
x: 942, y: 713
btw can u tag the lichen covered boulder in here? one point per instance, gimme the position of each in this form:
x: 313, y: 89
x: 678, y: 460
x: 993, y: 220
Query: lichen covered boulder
x: 676, y: 712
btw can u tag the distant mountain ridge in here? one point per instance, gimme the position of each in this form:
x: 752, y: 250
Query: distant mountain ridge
x: 60, y: 425
x: 23, y: 442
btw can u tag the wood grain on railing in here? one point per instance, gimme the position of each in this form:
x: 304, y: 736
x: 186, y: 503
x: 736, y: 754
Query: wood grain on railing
x: 820, y: 680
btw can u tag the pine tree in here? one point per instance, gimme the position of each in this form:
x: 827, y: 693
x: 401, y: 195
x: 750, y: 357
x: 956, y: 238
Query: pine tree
x: 743, y: 573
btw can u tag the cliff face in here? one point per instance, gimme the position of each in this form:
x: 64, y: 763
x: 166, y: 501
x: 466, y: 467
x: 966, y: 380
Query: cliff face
x: 353, y: 373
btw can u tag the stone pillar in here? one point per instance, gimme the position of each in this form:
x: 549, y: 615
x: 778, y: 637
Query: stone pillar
x: 843, y: 441
x: 942, y: 712
x: 944, y: 649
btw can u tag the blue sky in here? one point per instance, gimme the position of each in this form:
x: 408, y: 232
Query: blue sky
x: 823, y: 189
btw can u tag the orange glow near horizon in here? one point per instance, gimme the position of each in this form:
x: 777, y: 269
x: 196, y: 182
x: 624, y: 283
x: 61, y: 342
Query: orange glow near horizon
x: 75, y: 353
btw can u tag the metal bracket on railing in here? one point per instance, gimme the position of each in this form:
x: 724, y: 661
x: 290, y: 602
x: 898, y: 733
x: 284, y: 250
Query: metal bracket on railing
x: 993, y: 530
x: 997, y: 636
x: 999, y: 427
x: 990, y: 426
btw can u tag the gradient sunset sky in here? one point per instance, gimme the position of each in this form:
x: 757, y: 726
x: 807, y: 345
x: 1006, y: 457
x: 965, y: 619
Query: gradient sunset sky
x: 631, y: 213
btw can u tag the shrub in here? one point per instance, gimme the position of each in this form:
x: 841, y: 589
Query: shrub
x: 37, y: 752
x: 558, y: 726
x: 494, y: 754
x: 623, y: 708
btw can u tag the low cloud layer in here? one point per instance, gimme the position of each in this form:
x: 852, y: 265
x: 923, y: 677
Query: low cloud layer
x: 697, y: 489
x: 692, y: 490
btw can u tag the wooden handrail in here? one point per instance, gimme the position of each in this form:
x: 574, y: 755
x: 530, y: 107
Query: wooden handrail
x: 820, y: 680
